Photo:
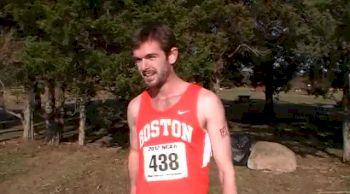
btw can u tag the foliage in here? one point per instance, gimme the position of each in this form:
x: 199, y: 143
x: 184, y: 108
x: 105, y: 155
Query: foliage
x: 277, y: 29
x: 213, y: 37
x: 85, y: 44
x: 327, y: 42
x: 10, y: 49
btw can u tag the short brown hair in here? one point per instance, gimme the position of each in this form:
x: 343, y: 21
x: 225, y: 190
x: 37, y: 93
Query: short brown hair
x: 155, y: 31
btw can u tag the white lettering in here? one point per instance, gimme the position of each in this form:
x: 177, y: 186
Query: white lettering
x: 141, y: 138
x: 155, y: 128
x: 165, y: 123
x: 176, y: 128
x: 187, y: 132
x: 147, y: 132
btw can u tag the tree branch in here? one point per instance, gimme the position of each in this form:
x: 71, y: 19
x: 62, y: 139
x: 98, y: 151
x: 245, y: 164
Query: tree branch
x: 2, y: 85
x: 18, y: 115
x: 255, y: 51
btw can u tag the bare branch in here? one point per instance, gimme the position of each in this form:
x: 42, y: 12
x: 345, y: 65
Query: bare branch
x: 2, y: 94
x: 9, y: 47
x: 255, y: 51
x: 18, y: 115
x: 2, y: 85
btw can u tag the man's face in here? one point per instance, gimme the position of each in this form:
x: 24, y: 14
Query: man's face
x: 153, y: 64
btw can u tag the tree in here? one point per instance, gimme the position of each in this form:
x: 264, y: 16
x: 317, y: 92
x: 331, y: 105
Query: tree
x: 345, y: 27
x: 342, y: 61
x: 40, y: 58
x: 10, y: 65
x: 92, y: 34
x: 70, y: 31
x: 23, y: 16
x: 17, y: 71
x: 47, y: 62
x: 277, y: 31
x: 217, y: 33
x: 327, y: 43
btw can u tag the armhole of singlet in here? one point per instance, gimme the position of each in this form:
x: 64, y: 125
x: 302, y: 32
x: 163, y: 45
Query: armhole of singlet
x: 142, y: 104
x: 207, y: 152
x: 198, y: 89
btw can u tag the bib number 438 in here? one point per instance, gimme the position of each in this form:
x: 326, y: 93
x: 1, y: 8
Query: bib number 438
x: 165, y: 162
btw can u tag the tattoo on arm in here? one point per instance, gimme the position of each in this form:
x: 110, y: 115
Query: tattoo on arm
x: 224, y: 131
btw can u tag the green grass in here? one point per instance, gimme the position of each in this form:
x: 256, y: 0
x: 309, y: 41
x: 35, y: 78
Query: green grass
x: 289, y: 97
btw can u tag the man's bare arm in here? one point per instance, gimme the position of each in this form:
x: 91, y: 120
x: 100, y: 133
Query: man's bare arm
x: 216, y: 125
x: 133, y: 159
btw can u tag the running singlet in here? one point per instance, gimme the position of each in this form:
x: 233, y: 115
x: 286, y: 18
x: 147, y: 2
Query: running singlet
x: 174, y: 151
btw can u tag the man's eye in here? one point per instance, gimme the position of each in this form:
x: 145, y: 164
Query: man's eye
x: 137, y: 61
x: 152, y: 57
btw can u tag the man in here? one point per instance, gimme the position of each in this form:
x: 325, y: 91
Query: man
x: 174, y: 125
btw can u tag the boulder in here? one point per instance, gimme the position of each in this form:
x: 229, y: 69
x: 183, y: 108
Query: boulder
x: 271, y: 156
x: 105, y: 141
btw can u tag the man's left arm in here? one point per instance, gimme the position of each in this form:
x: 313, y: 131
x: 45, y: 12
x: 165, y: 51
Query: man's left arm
x: 216, y: 125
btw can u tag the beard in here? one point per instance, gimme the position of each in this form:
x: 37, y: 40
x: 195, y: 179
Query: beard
x: 154, y: 78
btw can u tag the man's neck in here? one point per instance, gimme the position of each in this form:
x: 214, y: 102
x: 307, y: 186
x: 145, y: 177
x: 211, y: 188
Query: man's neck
x: 173, y: 86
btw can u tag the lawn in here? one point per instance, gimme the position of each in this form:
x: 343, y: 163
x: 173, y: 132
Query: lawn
x: 284, y: 97
x: 37, y: 168
x: 34, y: 168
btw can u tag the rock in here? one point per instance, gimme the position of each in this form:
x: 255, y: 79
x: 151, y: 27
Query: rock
x: 272, y: 156
x: 105, y: 141
x: 101, y: 131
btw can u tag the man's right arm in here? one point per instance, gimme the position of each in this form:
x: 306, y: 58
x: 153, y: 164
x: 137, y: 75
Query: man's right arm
x: 133, y: 159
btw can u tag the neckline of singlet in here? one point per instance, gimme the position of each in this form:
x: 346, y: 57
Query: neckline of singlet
x: 168, y: 109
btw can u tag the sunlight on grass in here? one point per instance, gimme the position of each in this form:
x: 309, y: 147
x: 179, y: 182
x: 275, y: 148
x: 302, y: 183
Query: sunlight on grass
x: 289, y: 97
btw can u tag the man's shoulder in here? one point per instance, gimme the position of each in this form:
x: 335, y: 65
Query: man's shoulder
x: 135, y: 99
x: 207, y: 95
x: 208, y: 101
x: 203, y: 92
x: 134, y: 103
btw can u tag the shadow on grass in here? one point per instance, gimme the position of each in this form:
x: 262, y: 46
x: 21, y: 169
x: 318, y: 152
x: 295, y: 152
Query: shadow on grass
x: 104, y: 118
x: 306, y: 129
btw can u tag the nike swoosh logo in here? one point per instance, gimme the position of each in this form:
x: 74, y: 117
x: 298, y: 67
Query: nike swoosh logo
x: 181, y: 112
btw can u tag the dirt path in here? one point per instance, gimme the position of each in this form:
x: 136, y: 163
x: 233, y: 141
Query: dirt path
x: 38, y: 169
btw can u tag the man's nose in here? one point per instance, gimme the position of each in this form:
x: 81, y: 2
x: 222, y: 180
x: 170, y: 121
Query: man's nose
x: 143, y: 64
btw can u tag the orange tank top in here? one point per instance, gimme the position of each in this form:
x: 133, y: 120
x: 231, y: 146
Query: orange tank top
x: 174, y: 151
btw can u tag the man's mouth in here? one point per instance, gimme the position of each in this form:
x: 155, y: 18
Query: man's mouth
x: 148, y: 74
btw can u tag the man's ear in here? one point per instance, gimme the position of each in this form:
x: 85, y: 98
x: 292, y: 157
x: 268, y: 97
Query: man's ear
x: 173, y: 55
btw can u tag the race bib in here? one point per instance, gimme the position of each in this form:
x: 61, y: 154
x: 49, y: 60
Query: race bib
x: 165, y: 162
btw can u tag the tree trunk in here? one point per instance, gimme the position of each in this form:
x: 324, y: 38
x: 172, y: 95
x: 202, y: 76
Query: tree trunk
x: 219, y: 66
x: 269, y: 107
x: 2, y: 98
x: 82, y: 120
x: 2, y: 94
x: 28, y: 129
x: 52, y: 135
x: 37, y: 98
x: 217, y: 84
x: 346, y: 139
x: 59, y: 110
x: 346, y: 122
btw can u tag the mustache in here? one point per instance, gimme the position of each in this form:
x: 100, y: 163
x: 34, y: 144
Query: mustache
x: 148, y: 71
